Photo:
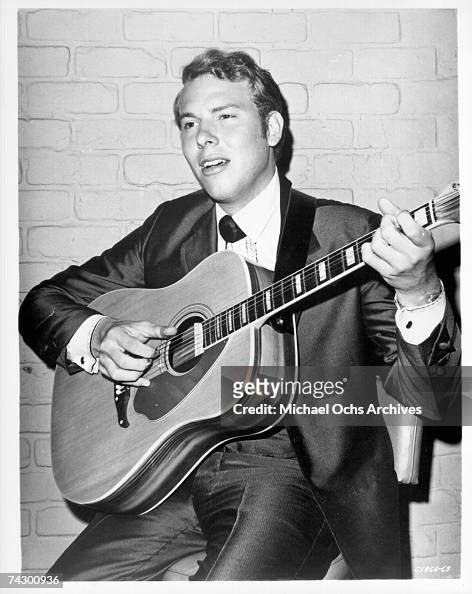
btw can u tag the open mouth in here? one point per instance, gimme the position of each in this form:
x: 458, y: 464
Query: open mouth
x: 213, y: 166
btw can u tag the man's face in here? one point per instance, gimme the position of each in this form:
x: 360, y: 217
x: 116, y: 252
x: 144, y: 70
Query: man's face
x: 223, y: 142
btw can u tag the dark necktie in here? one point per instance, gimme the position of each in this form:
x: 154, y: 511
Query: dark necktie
x: 229, y: 230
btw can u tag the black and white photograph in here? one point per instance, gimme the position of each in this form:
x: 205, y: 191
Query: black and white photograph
x: 270, y: 193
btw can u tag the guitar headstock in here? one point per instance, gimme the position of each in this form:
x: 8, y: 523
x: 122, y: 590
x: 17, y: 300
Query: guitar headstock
x: 446, y: 205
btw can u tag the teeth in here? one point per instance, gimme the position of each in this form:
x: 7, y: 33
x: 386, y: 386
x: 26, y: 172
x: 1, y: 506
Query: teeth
x: 212, y: 163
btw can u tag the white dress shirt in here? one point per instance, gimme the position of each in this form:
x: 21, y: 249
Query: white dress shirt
x: 260, y: 220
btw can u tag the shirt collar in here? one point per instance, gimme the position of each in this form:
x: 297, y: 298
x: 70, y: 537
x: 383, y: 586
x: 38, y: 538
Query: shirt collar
x: 254, y: 217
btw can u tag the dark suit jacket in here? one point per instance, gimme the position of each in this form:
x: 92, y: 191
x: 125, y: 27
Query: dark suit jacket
x: 350, y: 323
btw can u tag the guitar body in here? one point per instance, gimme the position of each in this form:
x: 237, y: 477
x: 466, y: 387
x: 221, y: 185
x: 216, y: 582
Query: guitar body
x: 168, y: 428
x: 126, y: 449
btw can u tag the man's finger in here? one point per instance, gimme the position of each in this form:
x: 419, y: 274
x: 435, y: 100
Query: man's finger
x: 415, y: 232
x: 388, y: 208
x: 377, y: 263
x: 150, y: 330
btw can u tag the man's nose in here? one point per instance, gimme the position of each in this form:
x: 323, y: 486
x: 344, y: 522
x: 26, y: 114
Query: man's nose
x: 206, y: 134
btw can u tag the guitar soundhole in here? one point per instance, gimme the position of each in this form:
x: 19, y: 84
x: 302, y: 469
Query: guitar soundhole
x: 178, y: 354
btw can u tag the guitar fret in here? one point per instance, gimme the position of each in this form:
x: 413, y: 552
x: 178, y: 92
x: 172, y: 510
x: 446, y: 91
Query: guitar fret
x: 303, y: 281
x: 321, y: 271
x: 421, y: 216
x: 244, y: 312
x: 350, y: 256
x: 268, y: 300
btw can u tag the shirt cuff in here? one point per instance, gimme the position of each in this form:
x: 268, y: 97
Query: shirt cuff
x: 417, y: 323
x: 79, y: 348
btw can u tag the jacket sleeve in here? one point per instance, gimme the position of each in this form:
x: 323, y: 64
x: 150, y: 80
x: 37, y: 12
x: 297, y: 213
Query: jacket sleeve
x: 426, y: 375
x: 53, y: 310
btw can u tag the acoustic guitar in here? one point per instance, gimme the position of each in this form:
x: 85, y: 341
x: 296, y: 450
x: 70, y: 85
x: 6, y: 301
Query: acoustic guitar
x: 124, y: 449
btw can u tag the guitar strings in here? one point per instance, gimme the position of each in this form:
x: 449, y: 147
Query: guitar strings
x: 187, y: 337
x: 184, y: 341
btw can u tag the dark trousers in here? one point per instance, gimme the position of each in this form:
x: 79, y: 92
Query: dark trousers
x: 351, y: 472
x: 255, y: 515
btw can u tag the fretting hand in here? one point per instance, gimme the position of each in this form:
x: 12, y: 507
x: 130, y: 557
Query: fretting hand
x: 402, y: 252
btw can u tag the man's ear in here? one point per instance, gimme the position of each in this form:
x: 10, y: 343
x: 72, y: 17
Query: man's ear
x: 275, y: 126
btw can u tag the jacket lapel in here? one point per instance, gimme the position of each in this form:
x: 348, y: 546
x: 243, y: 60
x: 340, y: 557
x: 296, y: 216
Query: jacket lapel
x: 287, y: 196
x: 202, y: 241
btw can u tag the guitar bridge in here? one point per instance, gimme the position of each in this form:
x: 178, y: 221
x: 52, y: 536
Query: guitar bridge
x: 121, y: 397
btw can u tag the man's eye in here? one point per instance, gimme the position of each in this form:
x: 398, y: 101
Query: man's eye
x: 226, y: 116
x: 188, y: 125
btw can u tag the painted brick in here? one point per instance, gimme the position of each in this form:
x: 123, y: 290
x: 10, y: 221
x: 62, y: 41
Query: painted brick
x: 93, y: 25
x: 417, y: 63
x: 447, y: 133
x: 119, y: 134
x: 429, y: 97
x: 450, y: 469
x: 339, y: 194
x: 151, y: 98
x: 334, y: 169
x: 181, y: 56
x: 365, y: 169
x: 45, y: 205
x: 57, y: 521
x: 71, y: 97
x: 118, y: 62
x: 299, y: 172
x: 32, y: 273
x: 25, y: 522
x: 337, y: 27
x: 262, y: 26
x: 40, y: 553
x: 449, y: 537
x: 443, y: 507
x: 423, y: 543
x: 43, y: 61
x: 395, y: 133
x: 379, y: 168
x: 35, y: 418
x: 436, y: 169
x: 143, y: 170
x: 377, y: 98
x: 296, y: 96
x: 42, y: 452
x: 36, y: 382
x: 53, y: 134
x: 321, y: 134
x: 442, y: 448
x: 118, y: 205
x: 38, y: 485
x: 301, y: 66
x: 25, y: 452
x: 78, y: 243
x: 439, y: 567
x: 21, y: 99
x: 169, y: 26
x: 447, y: 60
x: 404, y: 198
x: 56, y: 168
x: 428, y: 26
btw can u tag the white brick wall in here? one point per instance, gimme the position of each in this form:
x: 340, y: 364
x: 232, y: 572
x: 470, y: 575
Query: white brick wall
x: 372, y: 100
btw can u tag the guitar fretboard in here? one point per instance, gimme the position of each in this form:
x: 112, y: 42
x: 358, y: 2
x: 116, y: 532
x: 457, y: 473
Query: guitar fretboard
x: 296, y: 286
x: 194, y: 341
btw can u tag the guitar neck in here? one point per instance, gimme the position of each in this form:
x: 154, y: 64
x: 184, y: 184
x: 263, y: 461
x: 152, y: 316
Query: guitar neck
x: 313, y: 277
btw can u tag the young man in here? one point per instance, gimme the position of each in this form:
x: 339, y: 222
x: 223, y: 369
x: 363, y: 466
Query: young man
x: 252, y: 504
